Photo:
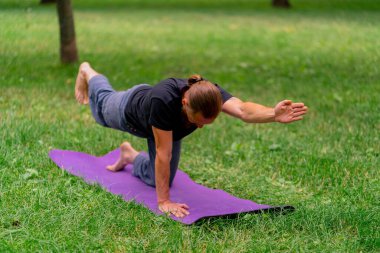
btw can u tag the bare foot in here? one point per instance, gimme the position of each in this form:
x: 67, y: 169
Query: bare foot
x: 127, y: 155
x: 81, y: 84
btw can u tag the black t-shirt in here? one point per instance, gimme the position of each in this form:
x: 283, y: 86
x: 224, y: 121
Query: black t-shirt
x: 161, y: 106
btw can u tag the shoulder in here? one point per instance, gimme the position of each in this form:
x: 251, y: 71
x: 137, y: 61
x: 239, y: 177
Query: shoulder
x: 225, y: 94
x: 169, y: 89
x: 171, y: 83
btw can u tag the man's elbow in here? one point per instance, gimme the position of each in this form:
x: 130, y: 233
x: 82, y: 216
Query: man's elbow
x: 244, y: 115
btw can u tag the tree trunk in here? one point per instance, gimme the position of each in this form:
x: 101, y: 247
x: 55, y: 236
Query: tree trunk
x: 67, y: 32
x: 47, y: 1
x: 281, y: 3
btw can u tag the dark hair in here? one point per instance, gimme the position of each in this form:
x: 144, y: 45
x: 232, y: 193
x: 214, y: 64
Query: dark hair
x: 204, y: 97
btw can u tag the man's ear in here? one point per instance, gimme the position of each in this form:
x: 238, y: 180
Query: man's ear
x: 184, y: 101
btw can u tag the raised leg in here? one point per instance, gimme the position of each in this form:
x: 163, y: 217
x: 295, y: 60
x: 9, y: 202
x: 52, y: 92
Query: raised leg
x: 85, y: 73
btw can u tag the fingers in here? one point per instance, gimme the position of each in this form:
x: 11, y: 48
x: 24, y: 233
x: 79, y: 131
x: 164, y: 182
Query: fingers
x: 298, y: 105
x: 297, y: 118
x: 294, y: 105
x: 293, y: 119
x: 184, y: 206
x: 297, y: 109
x: 182, y: 209
x: 178, y: 210
x: 296, y: 114
x: 285, y: 103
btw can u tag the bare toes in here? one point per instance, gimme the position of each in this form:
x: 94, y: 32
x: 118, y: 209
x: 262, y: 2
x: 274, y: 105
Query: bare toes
x: 111, y: 168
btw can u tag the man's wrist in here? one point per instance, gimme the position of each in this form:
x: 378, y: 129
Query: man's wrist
x: 273, y: 115
x: 160, y: 202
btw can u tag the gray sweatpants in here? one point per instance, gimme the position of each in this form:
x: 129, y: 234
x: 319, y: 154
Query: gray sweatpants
x: 107, y: 107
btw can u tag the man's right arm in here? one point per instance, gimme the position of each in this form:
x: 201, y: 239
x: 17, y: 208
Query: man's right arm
x: 163, y: 140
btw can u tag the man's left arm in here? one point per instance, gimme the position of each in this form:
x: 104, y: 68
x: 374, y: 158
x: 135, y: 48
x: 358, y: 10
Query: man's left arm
x: 284, y: 112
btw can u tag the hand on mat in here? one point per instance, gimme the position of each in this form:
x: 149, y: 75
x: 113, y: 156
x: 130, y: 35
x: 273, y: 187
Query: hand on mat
x: 177, y: 209
x: 286, y: 111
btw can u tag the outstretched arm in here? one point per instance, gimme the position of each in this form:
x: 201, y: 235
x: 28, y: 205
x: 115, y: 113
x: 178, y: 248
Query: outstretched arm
x: 284, y: 112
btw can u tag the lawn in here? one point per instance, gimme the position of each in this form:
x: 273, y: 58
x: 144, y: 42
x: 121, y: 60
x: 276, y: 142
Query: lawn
x: 327, y: 166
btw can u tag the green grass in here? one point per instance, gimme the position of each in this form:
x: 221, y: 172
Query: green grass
x: 327, y: 166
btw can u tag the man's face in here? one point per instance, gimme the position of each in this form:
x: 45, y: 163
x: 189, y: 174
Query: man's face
x: 198, y: 119
x: 195, y: 118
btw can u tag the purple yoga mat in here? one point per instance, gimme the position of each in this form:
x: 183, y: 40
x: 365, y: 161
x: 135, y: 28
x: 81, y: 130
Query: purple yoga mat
x: 203, y: 202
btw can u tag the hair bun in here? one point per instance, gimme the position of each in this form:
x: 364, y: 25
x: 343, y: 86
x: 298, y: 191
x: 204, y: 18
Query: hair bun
x: 194, y: 79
